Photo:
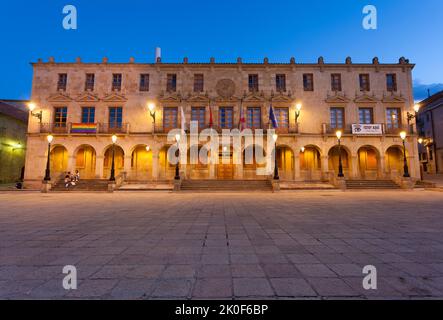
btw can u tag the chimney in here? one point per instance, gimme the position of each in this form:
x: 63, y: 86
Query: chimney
x: 158, y: 54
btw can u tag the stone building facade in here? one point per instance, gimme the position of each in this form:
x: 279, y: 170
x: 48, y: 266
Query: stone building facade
x: 84, y: 104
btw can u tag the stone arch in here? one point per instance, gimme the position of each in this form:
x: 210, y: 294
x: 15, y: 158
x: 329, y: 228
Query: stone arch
x: 253, y: 159
x: 394, y: 160
x: 285, y: 162
x: 166, y: 170
x: 310, y: 163
x: 141, y: 162
x: 198, y: 167
x: 85, y: 161
x: 58, y: 161
x: 119, y: 160
x: 369, y: 165
x: 333, y: 159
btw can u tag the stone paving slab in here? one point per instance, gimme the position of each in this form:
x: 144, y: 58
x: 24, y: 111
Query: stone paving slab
x: 310, y: 245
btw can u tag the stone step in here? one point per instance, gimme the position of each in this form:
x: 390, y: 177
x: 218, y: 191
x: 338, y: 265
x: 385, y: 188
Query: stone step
x: 226, y: 185
x: 371, y: 184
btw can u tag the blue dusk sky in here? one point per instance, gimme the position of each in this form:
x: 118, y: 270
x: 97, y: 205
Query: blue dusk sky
x: 223, y: 29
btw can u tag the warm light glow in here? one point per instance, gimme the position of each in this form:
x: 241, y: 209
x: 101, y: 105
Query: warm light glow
x: 302, y: 149
x: 177, y: 137
x: 50, y: 138
x: 416, y: 107
x: 148, y: 148
x: 275, y: 136
x: 151, y: 106
x: 394, y: 116
x: 298, y: 106
x: 338, y: 134
x: 224, y: 149
x: 31, y: 106
x: 403, y: 135
x: 420, y: 140
x: 114, y: 138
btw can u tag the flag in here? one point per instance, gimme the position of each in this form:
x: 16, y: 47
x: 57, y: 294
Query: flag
x: 242, y: 118
x: 183, y: 119
x: 210, y: 117
x: 272, y: 118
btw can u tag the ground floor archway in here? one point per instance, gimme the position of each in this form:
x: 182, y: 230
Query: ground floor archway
x: 368, y: 163
x: 285, y: 162
x: 254, y: 160
x: 119, y: 160
x: 333, y: 159
x: 141, y: 163
x: 59, y: 161
x: 85, y: 161
x: 310, y: 163
x: 394, y: 161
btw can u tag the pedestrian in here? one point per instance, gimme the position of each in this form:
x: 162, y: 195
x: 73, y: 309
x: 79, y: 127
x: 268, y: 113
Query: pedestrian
x: 77, y: 176
x: 67, y: 181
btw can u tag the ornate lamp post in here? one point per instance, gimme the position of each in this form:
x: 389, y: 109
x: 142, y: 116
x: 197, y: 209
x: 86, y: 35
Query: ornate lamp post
x: 297, y: 111
x: 114, y: 140
x: 411, y: 116
x: 32, y: 107
x: 177, y: 169
x: 405, y: 162
x: 276, y: 177
x: 48, y: 160
x: 340, y: 165
x: 151, y: 108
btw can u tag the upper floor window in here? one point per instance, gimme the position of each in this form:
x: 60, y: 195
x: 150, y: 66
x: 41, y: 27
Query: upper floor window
x: 62, y: 81
x: 253, y: 117
x: 366, y: 115
x: 198, y: 114
x: 116, y: 82
x: 282, y: 116
x: 89, y: 83
x: 170, y: 119
x: 336, y: 82
x: 364, y: 82
x: 88, y: 114
x: 144, y: 82
x: 253, y: 83
x: 171, y: 82
x: 391, y: 82
x: 198, y: 82
x: 115, y: 117
x: 226, y: 116
x: 308, y: 82
x: 280, y: 82
x: 337, y: 115
x: 60, y: 116
x: 393, y: 118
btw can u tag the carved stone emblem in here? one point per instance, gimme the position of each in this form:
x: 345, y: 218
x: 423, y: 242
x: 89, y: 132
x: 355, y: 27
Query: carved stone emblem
x: 225, y: 88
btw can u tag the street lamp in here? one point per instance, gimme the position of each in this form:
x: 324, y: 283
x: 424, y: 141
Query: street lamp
x: 114, y: 140
x: 297, y: 111
x: 177, y: 170
x: 151, y: 108
x: 302, y: 149
x: 411, y: 116
x: 32, y: 107
x: 48, y: 160
x: 148, y: 148
x: 405, y: 162
x: 276, y: 177
x: 340, y: 165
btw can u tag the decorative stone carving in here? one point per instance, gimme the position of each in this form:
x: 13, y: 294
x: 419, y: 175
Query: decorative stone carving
x: 225, y: 88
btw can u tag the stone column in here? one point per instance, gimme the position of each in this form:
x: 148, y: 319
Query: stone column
x: 325, y: 167
x: 99, y: 167
x: 155, y: 164
x: 354, y: 166
x: 127, y: 165
x: 237, y: 159
x: 297, y: 167
x: 381, y: 168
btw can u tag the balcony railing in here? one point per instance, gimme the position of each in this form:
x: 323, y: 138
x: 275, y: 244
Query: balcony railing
x: 54, y: 128
x: 395, y: 130
x: 328, y: 129
x: 113, y: 128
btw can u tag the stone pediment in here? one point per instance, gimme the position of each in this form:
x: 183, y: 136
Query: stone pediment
x: 231, y: 99
x: 365, y: 98
x: 59, y: 97
x: 254, y: 97
x: 170, y: 98
x: 394, y: 98
x: 114, y: 97
x: 87, y: 97
x: 337, y: 98
x: 282, y: 98
x: 198, y: 98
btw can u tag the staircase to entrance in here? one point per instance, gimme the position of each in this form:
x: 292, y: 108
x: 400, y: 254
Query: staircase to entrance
x: 371, y: 184
x: 83, y: 185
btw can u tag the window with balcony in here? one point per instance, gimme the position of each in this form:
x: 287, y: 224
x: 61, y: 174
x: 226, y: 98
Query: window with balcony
x: 198, y: 114
x: 391, y: 82
x: 62, y: 81
x: 198, y: 82
x: 170, y: 119
x: 226, y: 116
x: 253, y: 83
x: 364, y: 82
x: 89, y: 83
x: 60, y: 117
x: 116, y: 82
x: 282, y: 116
x: 115, y: 117
x: 393, y: 118
x: 280, y: 82
x: 336, y: 82
x: 337, y: 115
x: 308, y: 82
x: 366, y: 115
x: 144, y: 82
x: 171, y: 82
x: 88, y: 114
x: 253, y: 117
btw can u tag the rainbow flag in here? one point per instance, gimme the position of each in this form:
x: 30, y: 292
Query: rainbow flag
x: 84, y: 128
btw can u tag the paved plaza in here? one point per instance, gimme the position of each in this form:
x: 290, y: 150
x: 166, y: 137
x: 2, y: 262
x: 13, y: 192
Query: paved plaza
x: 231, y: 246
